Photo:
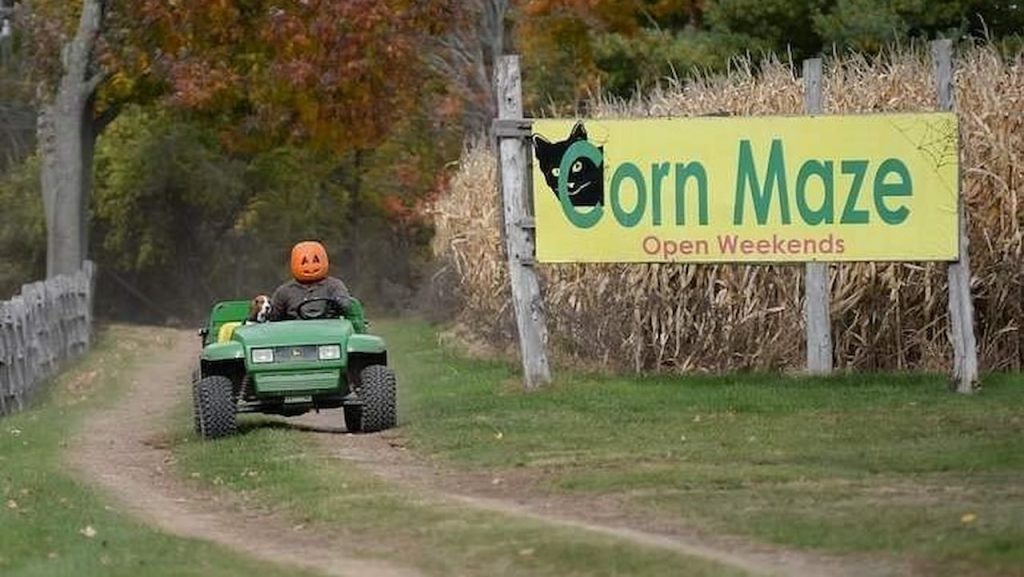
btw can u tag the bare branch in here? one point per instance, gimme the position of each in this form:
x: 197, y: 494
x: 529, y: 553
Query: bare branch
x: 93, y: 83
x: 466, y: 59
x: 109, y: 115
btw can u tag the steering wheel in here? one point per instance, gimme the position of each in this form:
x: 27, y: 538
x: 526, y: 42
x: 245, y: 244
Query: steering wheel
x: 319, y: 308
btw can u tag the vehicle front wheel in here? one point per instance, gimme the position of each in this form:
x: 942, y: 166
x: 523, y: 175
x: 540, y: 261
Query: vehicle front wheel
x: 378, y: 390
x: 215, y: 407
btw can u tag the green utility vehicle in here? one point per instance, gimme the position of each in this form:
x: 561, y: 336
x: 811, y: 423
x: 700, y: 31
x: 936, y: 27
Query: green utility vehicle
x: 324, y: 360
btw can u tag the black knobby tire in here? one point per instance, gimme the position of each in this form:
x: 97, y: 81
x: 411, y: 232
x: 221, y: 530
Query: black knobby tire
x: 354, y: 418
x: 195, y: 408
x: 196, y: 377
x: 378, y: 390
x: 215, y: 407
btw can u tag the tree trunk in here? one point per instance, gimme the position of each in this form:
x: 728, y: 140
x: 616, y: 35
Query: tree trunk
x: 90, y: 132
x: 66, y: 143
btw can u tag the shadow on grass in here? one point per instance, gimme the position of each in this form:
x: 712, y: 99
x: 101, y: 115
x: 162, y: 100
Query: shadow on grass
x: 247, y: 426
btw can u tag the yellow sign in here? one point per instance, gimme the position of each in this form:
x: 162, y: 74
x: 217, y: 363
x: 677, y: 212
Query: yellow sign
x: 828, y: 188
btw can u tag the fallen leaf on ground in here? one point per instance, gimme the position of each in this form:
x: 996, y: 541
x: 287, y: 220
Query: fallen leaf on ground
x: 88, y: 531
x: 968, y: 518
x: 12, y: 504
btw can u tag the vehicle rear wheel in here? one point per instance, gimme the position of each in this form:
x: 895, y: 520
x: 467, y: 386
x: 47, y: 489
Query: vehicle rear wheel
x: 378, y: 391
x: 353, y: 418
x: 195, y: 409
x: 215, y: 407
x: 196, y: 376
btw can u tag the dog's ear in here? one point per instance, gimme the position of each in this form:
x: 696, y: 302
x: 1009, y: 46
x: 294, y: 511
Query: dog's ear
x: 254, y: 308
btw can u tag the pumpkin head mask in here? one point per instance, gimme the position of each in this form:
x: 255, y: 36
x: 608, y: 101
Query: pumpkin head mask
x: 309, y: 262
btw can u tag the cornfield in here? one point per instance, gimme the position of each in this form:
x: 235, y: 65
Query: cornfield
x: 684, y: 318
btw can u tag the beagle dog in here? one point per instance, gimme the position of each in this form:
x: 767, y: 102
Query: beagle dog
x: 259, y: 309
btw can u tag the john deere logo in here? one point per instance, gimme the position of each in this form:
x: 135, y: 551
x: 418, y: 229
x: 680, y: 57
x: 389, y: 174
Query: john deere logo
x: 297, y: 353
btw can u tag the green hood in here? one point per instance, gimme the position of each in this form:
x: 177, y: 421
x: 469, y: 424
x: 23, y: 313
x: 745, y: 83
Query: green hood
x: 291, y: 333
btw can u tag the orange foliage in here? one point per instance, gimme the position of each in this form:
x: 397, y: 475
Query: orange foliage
x: 332, y: 73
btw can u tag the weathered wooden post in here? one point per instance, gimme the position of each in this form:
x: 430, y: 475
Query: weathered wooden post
x: 514, y: 161
x: 816, y: 282
x: 961, y: 305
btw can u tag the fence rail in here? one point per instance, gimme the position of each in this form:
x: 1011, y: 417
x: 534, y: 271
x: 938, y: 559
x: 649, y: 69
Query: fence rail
x: 47, y: 323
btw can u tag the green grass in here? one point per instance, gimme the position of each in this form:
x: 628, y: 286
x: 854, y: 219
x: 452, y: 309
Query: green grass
x: 276, y: 466
x: 46, y: 515
x: 862, y: 463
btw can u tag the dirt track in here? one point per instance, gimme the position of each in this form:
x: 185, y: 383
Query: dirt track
x: 120, y: 449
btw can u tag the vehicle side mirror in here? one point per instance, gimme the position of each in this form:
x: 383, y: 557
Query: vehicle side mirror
x: 203, y: 332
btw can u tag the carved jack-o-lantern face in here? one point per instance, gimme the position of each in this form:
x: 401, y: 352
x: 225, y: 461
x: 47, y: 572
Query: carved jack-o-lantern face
x: 309, y: 262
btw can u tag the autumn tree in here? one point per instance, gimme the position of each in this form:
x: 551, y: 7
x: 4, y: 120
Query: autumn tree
x: 869, y: 25
x: 330, y: 107
x: 335, y: 75
x: 17, y: 115
x: 465, y: 58
x: 576, y: 48
x: 65, y: 40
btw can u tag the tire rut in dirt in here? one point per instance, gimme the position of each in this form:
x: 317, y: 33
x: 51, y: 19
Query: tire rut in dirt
x: 115, y: 450
x: 215, y: 407
x: 378, y: 388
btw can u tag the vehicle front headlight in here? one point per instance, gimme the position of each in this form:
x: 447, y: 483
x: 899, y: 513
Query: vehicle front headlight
x: 262, y: 356
x: 329, y: 352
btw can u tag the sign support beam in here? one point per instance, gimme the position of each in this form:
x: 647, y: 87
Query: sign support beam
x: 961, y: 306
x: 514, y: 159
x: 816, y: 275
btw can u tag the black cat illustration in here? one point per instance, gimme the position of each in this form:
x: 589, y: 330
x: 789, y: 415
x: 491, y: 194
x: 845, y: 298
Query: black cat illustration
x: 585, y: 180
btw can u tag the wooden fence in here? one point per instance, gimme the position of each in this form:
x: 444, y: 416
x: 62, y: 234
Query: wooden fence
x: 48, y: 323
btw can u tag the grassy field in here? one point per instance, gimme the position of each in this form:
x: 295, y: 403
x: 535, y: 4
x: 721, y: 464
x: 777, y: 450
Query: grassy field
x: 279, y: 467
x: 879, y: 464
x: 50, y: 525
x: 888, y: 465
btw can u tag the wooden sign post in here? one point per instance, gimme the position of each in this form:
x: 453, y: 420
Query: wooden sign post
x: 961, y: 307
x: 816, y: 285
x: 513, y: 135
